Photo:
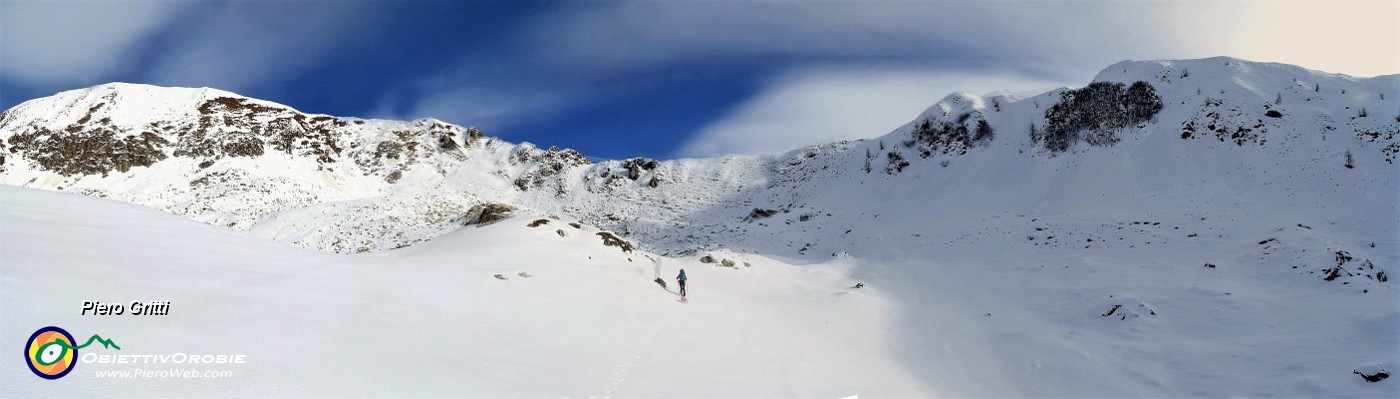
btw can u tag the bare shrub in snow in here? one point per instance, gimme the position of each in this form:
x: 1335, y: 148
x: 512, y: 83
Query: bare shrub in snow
x: 1095, y: 113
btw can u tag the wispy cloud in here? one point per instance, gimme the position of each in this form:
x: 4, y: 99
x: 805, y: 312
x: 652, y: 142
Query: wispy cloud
x: 492, y: 109
x: 1357, y: 37
x: 75, y: 41
x: 229, y: 45
x: 579, y: 51
x: 643, y: 34
x: 476, y: 91
x: 828, y: 104
x: 239, y: 45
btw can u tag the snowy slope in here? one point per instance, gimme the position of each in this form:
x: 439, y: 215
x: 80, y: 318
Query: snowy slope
x: 431, y: 320
x: 1223, y: 231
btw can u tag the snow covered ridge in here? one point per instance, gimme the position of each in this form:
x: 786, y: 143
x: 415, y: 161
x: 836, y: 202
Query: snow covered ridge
x: 230, y: 160
x: 353, y: 185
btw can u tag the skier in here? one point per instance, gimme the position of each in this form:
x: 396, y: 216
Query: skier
x: 680, y: 278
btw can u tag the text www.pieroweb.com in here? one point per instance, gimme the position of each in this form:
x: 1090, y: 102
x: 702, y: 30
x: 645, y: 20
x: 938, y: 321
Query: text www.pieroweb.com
x: 164, y: 373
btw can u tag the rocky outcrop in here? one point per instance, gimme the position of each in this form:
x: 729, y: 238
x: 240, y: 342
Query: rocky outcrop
x: 87, y: 151
x: 759, y: 213
x: 89, y: 146
x: 544, y: 165
x: 225, y: 127
x: 612, y: 240
x: 486, y: 214
x: 636, y: 166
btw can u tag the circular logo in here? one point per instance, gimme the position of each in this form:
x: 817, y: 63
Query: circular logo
x: 50, y: 353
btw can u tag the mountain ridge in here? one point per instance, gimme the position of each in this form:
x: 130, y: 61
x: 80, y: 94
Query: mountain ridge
x: 254, y: 165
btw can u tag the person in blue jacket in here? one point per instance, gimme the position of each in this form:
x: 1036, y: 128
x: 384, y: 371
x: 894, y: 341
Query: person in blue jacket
x: 681, y: 279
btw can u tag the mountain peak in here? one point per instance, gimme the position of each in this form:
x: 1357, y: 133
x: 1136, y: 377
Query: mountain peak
x: 127, y: 105
x: 1219, y: 68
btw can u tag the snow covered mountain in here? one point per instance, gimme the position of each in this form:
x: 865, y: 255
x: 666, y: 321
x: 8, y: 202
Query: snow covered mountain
x: 1175, y: 228
x: 351, y: 185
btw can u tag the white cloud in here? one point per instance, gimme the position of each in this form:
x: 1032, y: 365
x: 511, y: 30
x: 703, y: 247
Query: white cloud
x: 241, y: 45
x: 74, y: 41
x: 632, y: 35
x: 823, y: 105
x: 233, y: 46
x: 489, y: 109
x: 1351, y: 37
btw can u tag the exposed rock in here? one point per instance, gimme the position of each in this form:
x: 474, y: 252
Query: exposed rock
x: 1124, y: 308
x: 538, y: 223
x: 612, y: 240
x: 545, y: 165
x: 1112, y: 310
x: 84, y: 151
x: 636, y: 166
x: 1351, y: 269
x: 1372, y: 373
x: 224, y: 127
x: 758, y: 213
x: 1227, y: 122
x: 474, y: 136
x: 485, y: 214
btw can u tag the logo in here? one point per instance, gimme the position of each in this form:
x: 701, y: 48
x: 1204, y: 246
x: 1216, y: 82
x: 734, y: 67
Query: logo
x: 51, y: 354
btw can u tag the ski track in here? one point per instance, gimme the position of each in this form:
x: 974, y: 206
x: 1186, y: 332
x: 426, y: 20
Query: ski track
x: 620, y: 376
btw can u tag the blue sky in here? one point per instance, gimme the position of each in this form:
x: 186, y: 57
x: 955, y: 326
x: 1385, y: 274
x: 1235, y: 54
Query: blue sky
x: 657, y: 79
